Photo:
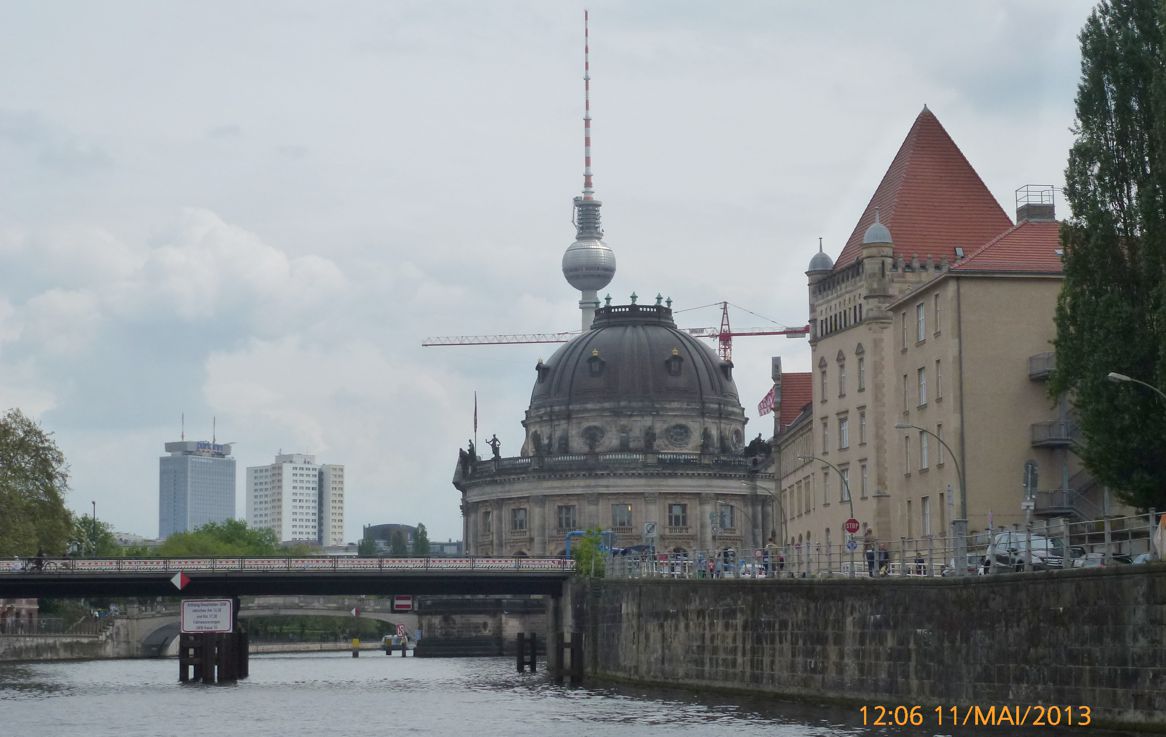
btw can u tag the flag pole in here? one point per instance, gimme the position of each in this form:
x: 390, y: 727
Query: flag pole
x: 475, y: 423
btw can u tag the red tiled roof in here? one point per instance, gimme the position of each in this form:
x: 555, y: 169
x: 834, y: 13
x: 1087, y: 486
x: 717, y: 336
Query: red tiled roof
x: 796, y: 393
x: 931, y: 199
x: 1029, y: 247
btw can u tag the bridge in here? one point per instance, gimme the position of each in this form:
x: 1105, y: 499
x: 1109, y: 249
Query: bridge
x: 233, y: 577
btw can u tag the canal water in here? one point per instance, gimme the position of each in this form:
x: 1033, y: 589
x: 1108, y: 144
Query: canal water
x: 335, y: 695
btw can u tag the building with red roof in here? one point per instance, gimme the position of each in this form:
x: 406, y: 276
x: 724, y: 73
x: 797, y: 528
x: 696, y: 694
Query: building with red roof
x: 931, y: 336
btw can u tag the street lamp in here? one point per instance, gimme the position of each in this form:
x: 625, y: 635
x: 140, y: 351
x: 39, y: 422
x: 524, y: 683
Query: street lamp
x: 1117, y: 378
x: 960, y: 524
x: 849, y: 498
x: 93, y: 529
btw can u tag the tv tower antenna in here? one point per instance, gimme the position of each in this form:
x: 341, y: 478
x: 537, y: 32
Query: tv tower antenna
x: 588, y: 264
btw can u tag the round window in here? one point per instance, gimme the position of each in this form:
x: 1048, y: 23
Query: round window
x: 679, y: 435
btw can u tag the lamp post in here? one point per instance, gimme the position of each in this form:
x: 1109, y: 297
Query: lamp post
x: 93, y: 529
x: 849, y: 498
x: 961, y: 524
x: 1117, y: 378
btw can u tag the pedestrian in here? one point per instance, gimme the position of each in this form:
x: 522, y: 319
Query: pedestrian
x: 884, y: 560
x: 868, y: 547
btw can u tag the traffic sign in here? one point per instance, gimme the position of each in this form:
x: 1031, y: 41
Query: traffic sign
x: 205, y: 615
x: 356, y: 611
x: 851, y: 526
x: 400, y: 630
x: 851, y: 544
x: 180, y: 580
x: 403, y: 603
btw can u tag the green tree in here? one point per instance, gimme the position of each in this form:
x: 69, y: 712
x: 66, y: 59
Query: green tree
x: 1111, y: 315
x: 33, y: 482
x: 588, y: 554
x: 397, y: 544
x: 222, y: 539
x: 421, y: 541
x: 367, y: 548
x: 93, y: 539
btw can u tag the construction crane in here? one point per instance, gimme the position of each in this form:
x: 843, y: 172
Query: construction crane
x: 723, y: 335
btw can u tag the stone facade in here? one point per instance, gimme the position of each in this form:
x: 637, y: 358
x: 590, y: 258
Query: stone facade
x: 633, y: 427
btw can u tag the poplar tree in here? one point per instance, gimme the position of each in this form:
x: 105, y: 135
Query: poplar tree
x: 1111, y: 315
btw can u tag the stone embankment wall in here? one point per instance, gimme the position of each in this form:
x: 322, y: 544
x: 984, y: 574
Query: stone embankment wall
x: 1087, y: 637
x: 57, y: 647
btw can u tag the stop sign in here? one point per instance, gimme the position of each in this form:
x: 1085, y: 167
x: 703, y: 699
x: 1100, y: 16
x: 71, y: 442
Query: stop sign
x: 851, y: 525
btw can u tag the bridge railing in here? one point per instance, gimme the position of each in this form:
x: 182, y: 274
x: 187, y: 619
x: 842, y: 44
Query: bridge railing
x: 50, y: 566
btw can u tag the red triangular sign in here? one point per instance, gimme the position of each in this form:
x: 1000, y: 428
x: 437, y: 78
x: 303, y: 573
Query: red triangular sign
x: 180, y: 580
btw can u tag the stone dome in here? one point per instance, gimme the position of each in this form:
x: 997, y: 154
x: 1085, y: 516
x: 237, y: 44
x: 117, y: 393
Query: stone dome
x: 876, y: 233
x: 634, y: 382
x: 821, y: 262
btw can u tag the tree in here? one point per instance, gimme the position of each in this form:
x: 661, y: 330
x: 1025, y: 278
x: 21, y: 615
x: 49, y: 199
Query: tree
x: 93, y: 539
x: 1111, y: 315
x: 222, y: 539
x: 421, y: 541
x: 33, y: 482
x: 367, y: 548
x: 587, y: 551
x: 397, y: 544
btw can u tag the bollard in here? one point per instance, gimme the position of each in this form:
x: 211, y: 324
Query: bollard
x: 404, y: 646
x: 356, y: 647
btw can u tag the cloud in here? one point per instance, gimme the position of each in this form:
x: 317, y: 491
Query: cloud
x: 50, y: 145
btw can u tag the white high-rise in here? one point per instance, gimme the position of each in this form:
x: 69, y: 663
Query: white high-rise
x: 300, y: 500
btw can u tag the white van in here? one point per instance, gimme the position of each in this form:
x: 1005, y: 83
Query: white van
x: 1007, y: 552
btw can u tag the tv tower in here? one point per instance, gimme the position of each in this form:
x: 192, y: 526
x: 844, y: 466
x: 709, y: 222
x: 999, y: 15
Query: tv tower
x: 588, y: 264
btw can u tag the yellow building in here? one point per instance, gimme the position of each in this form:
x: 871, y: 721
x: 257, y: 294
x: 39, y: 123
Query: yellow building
x: 931, y: 338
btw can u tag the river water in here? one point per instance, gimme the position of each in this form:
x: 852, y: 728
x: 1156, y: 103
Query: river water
x: 334, y: 694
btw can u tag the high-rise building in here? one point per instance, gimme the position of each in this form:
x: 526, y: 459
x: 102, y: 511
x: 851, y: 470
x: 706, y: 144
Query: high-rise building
x: 300, y: 500
x: 196, y: 486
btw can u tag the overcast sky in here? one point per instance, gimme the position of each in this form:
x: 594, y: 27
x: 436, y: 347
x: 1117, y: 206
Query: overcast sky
x: 257, y: 211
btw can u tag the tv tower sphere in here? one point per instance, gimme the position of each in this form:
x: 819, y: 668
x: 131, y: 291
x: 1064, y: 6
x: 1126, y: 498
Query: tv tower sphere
x: 588, y: 264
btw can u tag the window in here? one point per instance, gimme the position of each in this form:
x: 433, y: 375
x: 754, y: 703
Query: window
x: 823, y: 385
x: 566, y: 515
x: 937, y: 314
x: 862, y: 427
x: 922, y: 450
x: 925, y: 512
x: 845, y: 485
x: 938, y: 379
x: 921, y: 375
x: 907, y: 455
x: 842, y: 379
x: 904, y: 393
x: 825, y: 435
x: 862, y: 480
x: 826, y: 487
x: 726, y: 519
x: 939, y: 450
x: 621, y: 515
x: 861, y: 373
x: 843, y: 433
x: 903, y: 327
x: 518, y: 519
x: 920, y: 322
x: 678, y: 515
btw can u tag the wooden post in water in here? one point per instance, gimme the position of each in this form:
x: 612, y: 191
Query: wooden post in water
x: 559, y: 651
x: 576, y: 658
x: 206, y: 657
x: 533, y: 651
x: 520, y: 651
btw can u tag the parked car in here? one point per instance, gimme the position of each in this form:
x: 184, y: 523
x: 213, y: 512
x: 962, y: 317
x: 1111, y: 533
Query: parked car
x: 1098, y: 560
x: 973, y: 566
x: 1008, y: 552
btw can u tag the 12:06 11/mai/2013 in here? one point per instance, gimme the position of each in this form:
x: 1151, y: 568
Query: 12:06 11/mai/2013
x: 1033, y: 715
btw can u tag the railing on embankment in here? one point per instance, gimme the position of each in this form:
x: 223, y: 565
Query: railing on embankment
x: 1091, y: 638
x: 259, y: 565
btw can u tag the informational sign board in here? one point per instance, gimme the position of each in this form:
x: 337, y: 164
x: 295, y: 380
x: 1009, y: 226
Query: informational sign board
x: 206, y: 615
x: 403, y: 603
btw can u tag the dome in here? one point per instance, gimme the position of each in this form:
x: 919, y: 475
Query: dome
x: 632, y: 381
x: 876, y: 233
x: 588, y: 264
x: 821, y: 262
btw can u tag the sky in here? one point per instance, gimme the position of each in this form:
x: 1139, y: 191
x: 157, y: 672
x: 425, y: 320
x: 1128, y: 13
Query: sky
x: 254, y: 213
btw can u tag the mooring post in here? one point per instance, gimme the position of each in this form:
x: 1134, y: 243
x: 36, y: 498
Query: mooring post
x: 244, y: 654
x: 533, y: 651
x: 576, y: 658
x: 560, y: 648
x: 206, y: 656
x: 404, y: 647
x: 520, y: 651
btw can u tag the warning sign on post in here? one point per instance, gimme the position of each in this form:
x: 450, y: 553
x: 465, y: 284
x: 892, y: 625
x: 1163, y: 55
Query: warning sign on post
x: 206, y: 615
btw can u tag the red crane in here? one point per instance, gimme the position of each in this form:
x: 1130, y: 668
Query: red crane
x: 723, y: 335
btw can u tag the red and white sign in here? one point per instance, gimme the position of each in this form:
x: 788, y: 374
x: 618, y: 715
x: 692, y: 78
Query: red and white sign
x: 403, y: 603
x: 180, y: 580
x: 400, y: 630
x: 851, y: 526
x: 206, y: 615
x: 765, y: 406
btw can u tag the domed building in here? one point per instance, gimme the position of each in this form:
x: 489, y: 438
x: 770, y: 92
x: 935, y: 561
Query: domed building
x: 634, y: 426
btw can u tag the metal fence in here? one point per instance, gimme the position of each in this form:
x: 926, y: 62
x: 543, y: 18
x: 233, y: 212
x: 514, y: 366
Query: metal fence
x: 1043, y: 546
